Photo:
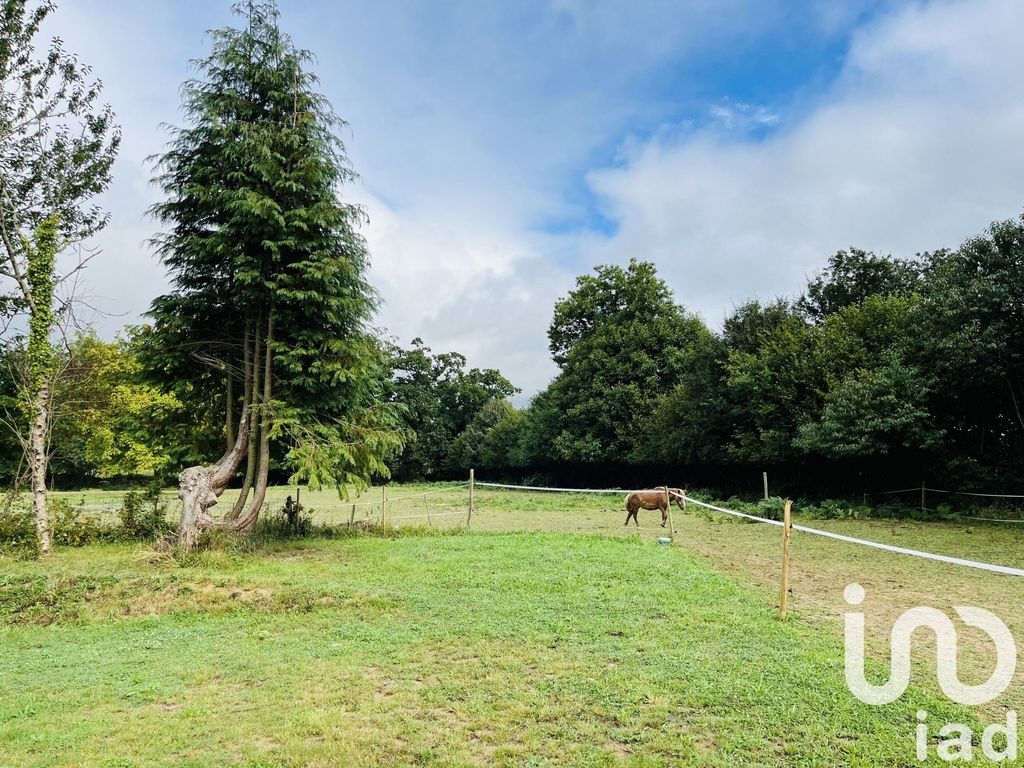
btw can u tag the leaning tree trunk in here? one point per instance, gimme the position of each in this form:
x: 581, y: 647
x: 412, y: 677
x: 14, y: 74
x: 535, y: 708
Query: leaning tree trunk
x: 252, y: 383
x: 201, y: 487
x: 39, y: 461
x: 247, y: 523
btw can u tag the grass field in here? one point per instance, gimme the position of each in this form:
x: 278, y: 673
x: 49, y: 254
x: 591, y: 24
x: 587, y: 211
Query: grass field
x: 487, y: 648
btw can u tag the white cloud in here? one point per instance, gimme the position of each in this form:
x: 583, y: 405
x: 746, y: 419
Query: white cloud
x: 914, y: 148
x: 470, y: 121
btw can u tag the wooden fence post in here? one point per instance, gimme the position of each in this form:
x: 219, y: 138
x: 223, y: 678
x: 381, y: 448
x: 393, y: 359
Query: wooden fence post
x: 923, y: 489
x: 671, y: 523
x: 787, y: 532
x: 426, y: 506
x: 383, y: 506
x: 764, y: 477
x: 352, y: 517
x: 472, y: 492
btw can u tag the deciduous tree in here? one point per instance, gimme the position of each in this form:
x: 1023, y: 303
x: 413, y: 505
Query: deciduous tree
x: 57, y: 146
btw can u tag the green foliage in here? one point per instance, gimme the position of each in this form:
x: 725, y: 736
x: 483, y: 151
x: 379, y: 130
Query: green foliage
x: 59, y: 143
x: 469, y: 448
x: 346, y: 453
x: 72, y: 527
x: 109, y: 421
x: 831, y: 509
x: 620, y: 342
x: 688, y: 424
x: 773, y: 384
x: 439, y: 398
x: 503, y: 446
x: 854, y: 276
x: 874, y: 412
x: 17, y: 530
x: 255, y: 234
x: 41, y: 253
x: 143, y: 515
x: 12, y: 355
x: 969, y: 335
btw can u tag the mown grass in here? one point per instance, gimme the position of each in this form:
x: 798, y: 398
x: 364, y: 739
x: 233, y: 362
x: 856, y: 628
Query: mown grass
x: 481, y: 649
x: 820, y: 568
x: 475, y: 649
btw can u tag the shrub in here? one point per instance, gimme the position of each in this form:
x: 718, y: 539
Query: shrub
x: 143, y: 515
x: 771, y: 509
x: 16, y: 527
x: 71, y: 527
x: 831, y: 509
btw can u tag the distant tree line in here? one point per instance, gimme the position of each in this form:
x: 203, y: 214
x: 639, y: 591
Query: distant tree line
x: 263, y: 353
x: 882, y: 369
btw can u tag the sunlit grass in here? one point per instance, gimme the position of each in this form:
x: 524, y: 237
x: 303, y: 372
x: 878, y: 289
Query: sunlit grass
x: 476, y: 649
x: 482, y: 648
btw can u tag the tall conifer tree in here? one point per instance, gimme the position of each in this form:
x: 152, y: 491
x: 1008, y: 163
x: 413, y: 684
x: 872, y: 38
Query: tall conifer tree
x: 269, y: 276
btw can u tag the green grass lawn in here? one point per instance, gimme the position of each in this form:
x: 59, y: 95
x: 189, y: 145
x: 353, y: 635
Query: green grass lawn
x: 476, y: 649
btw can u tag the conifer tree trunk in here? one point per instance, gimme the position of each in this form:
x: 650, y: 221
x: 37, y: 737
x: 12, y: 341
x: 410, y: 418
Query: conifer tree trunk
x: 200, y: 487
x: 229, y: 410
x: 251, y: 385
x: 247, y: 522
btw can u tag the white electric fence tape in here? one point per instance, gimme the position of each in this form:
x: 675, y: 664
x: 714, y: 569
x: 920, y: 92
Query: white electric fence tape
x: 555, y: 490
x: 918, y: 489
x: 401, y: 498
x: 1005, y: 569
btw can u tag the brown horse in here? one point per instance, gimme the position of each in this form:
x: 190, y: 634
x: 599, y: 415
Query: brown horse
x: 656, y: 499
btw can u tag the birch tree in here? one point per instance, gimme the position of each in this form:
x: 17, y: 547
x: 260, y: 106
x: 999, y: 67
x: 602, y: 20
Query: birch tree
x: 57, y: 147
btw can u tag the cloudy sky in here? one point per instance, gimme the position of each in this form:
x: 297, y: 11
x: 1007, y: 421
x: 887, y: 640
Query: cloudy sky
x: 506, y: 147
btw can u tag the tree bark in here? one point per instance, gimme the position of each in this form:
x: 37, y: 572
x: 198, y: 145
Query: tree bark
x: 251, y: 385
x: 247, y: 522
x: 39, y: 462
x: 229, y: 410
x: 200, y: 487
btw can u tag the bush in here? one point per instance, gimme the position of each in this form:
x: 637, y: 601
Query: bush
x: 16, y: 527
x: 143, y: 515
x: 71, y: 528
x: 68, y: 525
x: 772, y: 508
x: 837, y: 510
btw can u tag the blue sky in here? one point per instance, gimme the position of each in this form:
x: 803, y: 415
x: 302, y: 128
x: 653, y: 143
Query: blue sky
x: 506, y: 147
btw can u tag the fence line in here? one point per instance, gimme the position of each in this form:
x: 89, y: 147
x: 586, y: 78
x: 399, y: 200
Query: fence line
x: 991, y: 567
x: 553, y: 490
x: 401, y: 498
x: 1004, y: 569
x: 918, y: 489
x: 432, y: 514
